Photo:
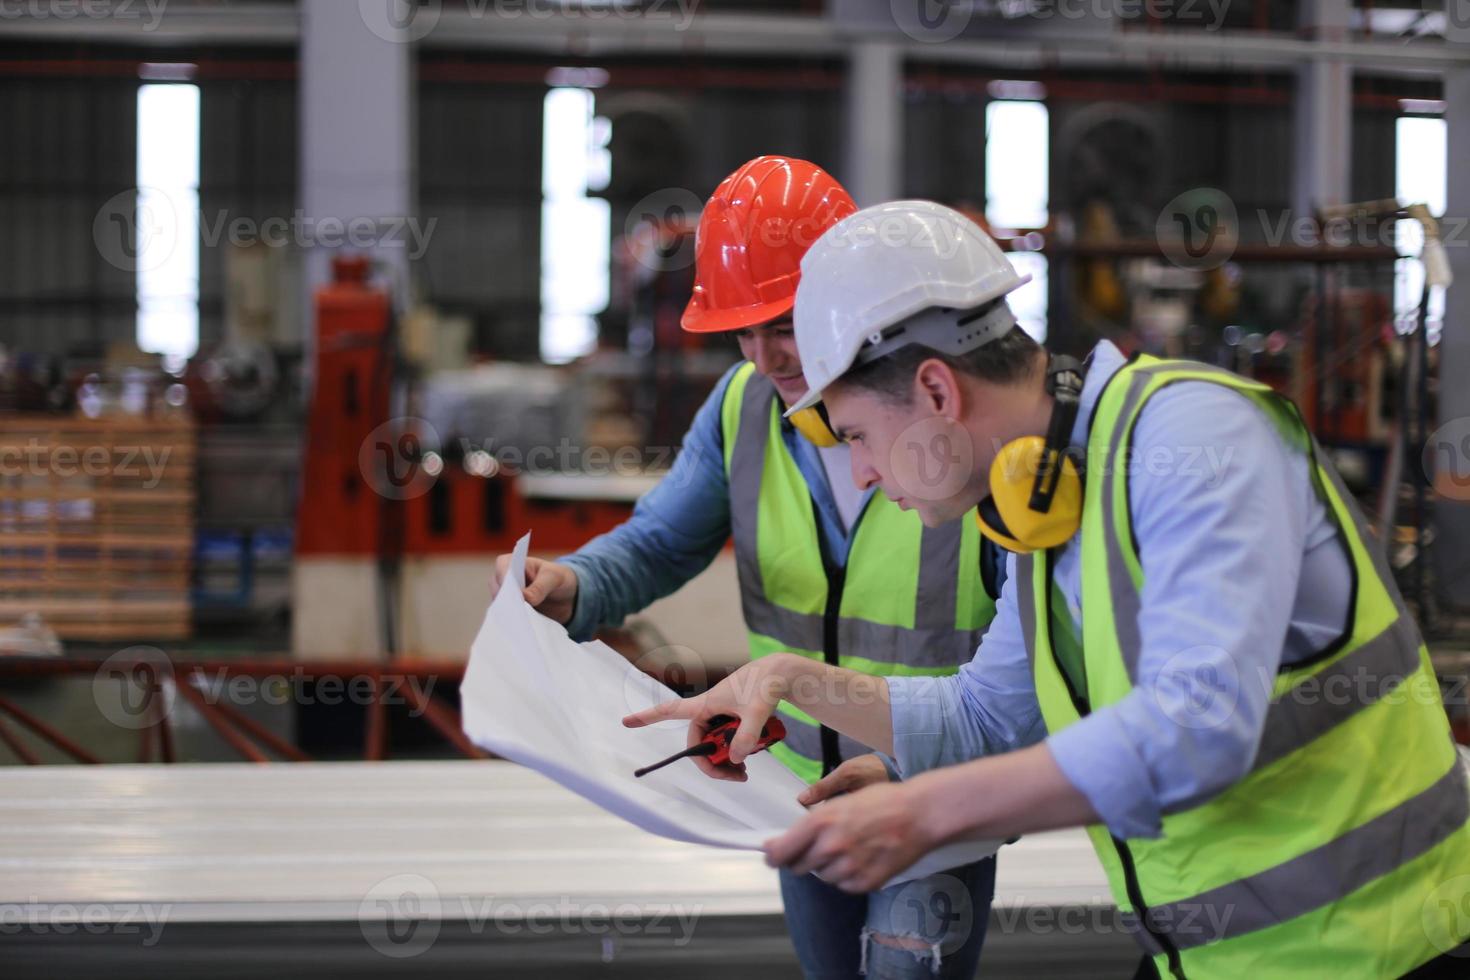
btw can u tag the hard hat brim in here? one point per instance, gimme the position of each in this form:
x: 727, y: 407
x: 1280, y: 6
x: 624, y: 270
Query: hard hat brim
x: 697, y: 320
x: 807, y: 401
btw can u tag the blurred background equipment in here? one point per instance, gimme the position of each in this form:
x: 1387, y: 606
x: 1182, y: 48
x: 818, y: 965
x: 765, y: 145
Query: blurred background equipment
x: 309, y: 309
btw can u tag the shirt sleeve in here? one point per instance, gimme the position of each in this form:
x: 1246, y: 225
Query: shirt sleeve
x: 988, y: 707
x: 675, y: 531
x: 1220, y: 524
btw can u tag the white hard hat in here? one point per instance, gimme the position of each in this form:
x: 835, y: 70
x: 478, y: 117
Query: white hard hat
x: 877, y: 269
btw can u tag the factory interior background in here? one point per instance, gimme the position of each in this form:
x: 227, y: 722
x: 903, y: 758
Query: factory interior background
x: 310, y: 309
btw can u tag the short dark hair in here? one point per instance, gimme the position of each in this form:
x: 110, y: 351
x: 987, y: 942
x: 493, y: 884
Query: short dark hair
x: 1009, y: 359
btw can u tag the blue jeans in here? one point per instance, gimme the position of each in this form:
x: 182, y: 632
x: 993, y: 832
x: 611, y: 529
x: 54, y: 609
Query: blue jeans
x: 832, y: 930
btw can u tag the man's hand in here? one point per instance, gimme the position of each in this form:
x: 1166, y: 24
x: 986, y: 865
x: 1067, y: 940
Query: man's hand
x: 551, y: 588
x: 751, y: 694
x: 856, y: 842
x: 849, y: 777
x: 859, y: 841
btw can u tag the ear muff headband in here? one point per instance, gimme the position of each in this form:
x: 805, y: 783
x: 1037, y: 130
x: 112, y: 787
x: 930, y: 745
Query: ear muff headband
x: 1035, y: 497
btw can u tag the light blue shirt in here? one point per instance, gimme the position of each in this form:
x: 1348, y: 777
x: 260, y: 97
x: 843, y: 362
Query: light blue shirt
x: 679, y: 526
x: 1243, y: 571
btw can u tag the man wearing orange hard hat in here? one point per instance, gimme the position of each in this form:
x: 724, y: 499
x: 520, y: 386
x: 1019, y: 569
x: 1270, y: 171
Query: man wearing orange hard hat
x: 827, y: 571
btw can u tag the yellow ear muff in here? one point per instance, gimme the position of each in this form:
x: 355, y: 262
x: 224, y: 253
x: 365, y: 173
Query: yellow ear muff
x: 811, y: 423
x: 1007, y: 518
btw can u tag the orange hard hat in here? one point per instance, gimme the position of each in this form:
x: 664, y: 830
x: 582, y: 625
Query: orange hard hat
x: 752, y: 234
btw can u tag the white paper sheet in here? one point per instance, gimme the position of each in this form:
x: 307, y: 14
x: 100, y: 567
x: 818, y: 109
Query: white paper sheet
x: 534, y: 696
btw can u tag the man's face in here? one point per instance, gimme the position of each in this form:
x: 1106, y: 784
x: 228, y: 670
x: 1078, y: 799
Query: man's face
x: 771, y: 347
x: 920, y: 459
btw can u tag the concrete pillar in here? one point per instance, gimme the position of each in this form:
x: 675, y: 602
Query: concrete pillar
x: 357, y: 182
x: 1323, y: 116
x: 874, y: 171
x: 1451, y: 441
x: 357, y: 132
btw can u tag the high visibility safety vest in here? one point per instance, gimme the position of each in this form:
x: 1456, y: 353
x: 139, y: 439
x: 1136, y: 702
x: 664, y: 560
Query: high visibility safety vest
x: 909, y: 601
x: 1345, y: 851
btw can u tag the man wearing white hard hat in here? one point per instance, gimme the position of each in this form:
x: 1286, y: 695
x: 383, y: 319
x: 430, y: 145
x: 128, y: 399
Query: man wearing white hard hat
x: 1199, y: 653
x: 837, y: 573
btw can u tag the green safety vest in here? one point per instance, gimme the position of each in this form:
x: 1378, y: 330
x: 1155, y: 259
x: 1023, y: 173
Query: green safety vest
x: 1345, y: 851
x: 909, y: 601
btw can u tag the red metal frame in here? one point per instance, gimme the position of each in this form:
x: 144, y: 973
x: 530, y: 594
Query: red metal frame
x: 47, y: 733
x: 246, y: 736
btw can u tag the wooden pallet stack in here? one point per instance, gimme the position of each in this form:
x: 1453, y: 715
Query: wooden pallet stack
x: 97, y: 525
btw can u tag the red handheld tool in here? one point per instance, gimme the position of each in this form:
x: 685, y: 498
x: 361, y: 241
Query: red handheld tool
x: 716, y: 742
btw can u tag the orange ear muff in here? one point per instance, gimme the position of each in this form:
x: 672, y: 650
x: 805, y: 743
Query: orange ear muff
x: 1007, y: 517
x: 812, y: 423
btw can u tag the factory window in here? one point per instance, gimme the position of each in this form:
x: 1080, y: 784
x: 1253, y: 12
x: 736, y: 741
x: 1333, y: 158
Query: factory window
x: 1017, y: 166
x: 1420, y: 161
x: 575, y: 229
x: 166, y: 221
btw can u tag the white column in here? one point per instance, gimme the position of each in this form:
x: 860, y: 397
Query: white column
x: 356, y: 117
x: 874, y: 171
x: 1452, y: 517
x: 1323, y: 117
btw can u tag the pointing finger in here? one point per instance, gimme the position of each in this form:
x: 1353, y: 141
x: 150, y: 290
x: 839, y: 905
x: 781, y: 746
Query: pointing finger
x: 675, y: 708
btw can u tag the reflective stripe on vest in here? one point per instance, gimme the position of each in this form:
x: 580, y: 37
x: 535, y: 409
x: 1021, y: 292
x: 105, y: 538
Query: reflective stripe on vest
x: 1346, y: 849
x: 911, y: 598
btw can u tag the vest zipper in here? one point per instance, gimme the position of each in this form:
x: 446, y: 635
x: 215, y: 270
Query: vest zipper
x: 836, y: 578
x: 1125, y: 856
x: 831, y: 616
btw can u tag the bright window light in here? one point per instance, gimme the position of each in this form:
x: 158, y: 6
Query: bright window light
x: 1016, y: 161
x: 1017, y: 165
x: 1029, y: 302
x: 1420, y: 166
x: 575, y: 229
x: 166, y: 228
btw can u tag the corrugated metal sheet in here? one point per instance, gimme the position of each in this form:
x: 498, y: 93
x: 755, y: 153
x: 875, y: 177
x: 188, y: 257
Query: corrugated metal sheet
x: 68, y: 148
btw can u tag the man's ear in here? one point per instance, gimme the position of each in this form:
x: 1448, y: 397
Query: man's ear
x: 937, y: 388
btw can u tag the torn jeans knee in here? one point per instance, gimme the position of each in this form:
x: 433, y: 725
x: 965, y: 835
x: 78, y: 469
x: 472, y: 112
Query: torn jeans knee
x: 886, y: 957
x: 930, y: 927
